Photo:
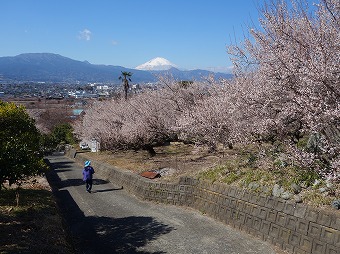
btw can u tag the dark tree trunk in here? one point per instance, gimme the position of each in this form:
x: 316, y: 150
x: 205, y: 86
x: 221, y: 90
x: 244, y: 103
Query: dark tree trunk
x: 150, y: 150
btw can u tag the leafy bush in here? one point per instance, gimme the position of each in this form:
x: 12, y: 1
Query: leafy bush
x: 19, y: 145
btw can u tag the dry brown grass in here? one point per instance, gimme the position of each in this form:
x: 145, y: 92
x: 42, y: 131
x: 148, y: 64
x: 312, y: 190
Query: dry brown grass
x: 185, y: 159
x: 34, y: 226
x: 239, y: 166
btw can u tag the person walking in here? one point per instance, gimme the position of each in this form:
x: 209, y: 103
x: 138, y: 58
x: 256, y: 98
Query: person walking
x: 88, y: 171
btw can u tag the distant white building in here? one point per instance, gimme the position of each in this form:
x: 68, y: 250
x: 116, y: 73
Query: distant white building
x: 104, y: 87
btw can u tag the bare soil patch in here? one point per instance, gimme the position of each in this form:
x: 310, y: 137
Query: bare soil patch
x: 183, y: 159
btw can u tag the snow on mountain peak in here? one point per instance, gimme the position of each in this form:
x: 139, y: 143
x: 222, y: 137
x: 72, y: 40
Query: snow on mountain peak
x: 156, y: 64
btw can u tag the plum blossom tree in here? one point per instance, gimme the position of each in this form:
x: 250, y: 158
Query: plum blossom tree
x: 294, y: 62
x: 146, y: 120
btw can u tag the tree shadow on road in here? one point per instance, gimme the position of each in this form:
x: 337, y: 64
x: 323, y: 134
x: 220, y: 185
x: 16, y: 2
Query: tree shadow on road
x: 108, y: 235
x: 127, y: 235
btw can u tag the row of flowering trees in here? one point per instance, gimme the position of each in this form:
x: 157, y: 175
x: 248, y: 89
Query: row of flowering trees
x: 286, y: 86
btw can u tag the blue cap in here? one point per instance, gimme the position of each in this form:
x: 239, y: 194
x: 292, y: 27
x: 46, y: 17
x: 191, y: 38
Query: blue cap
x: 87, y: 163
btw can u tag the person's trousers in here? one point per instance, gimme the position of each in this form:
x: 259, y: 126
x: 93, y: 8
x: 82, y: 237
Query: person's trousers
x: 88, y: 184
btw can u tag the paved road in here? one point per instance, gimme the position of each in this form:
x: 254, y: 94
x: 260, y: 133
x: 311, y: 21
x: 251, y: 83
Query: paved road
x: 109, y: 220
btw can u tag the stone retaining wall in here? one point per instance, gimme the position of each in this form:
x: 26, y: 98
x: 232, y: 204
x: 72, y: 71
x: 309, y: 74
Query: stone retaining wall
x: 293, y: 227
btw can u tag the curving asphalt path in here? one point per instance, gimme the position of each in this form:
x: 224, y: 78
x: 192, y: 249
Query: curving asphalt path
x: 109, y: 220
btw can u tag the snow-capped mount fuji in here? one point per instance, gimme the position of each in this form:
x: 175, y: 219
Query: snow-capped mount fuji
x: 156, y: 64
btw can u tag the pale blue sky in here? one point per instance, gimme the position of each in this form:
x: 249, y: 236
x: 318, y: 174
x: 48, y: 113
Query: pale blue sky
x: 190, y: 33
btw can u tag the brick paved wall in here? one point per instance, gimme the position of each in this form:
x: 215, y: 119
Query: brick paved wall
x: 293, y: 227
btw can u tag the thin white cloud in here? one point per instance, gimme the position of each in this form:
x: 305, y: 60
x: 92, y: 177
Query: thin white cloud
x: 85, y: 35
x: 114, y: 43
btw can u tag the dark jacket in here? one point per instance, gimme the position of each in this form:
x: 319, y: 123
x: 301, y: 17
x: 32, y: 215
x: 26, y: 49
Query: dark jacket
x: 87, y: 173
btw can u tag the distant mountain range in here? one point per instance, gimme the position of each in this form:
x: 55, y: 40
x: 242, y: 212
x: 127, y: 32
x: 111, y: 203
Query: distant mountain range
x: 48, y: 67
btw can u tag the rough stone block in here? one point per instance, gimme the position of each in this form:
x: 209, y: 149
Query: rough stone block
x: 256, y: 223
x: 170, y: 195
x: 240, y: 205
x: 302, y: 226
x: 229, y: 212
x: 164, y: 194
x: 291, y: 222
x: 261, y: 200
x: 215, y: 188
x: 314, y: 230
x: 329, y: 235
x: 331, y: 249
x: 233, y: 203
x: 182, y: 188
x: 279, y: 204
x: 244, y: 228
x: 262, y: 213
x: 318, y: 247
x: 232, y: 191
x: 236, y: 224
x: 324, y: 218
x: 284, y: 234
x: 337, y: 239
x: 225, y: 190
x: 306, y: 243
x: 311, y: 214
x: 209, y: 195
x: 248, y: 207
x: 265, y: 226
x: 289, y: 208
x: 226, y: 201
x: 220, y: 199
x: 234, y: 214
x: 247, y: 196
x: 274, y: 230
x: 249, y: 220
x: 239, y: 193
x: 146, y: 193
x: 254, y: 232
x: 295, y: 238
x: 255, y: 210
x: 335, y: 222
x: 188, y: 189
x: 281, y: 219
x: 300, y: 210
x: 271, y: 216
x: 270, y: 202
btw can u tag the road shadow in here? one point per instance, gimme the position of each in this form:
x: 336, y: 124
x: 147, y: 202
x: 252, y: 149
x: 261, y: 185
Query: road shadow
x: 92, y: 235
x: 127, y: 235
x: 59, y: 167
x: 107, y: 190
